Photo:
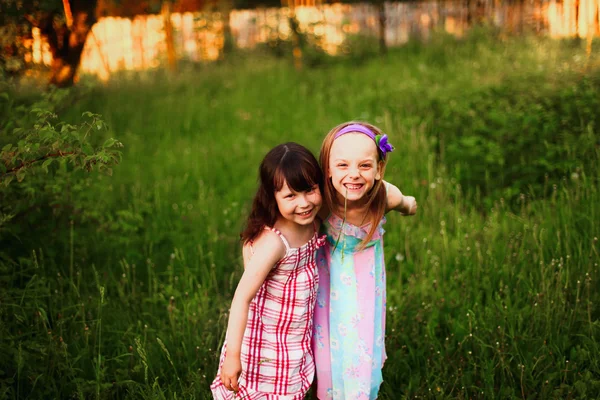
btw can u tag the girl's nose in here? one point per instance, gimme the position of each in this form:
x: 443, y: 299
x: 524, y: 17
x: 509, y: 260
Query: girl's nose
x: 353, y: 172
x: 303, y: 200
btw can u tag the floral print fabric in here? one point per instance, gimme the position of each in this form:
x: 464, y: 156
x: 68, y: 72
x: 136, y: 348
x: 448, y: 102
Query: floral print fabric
x: 349, y: 321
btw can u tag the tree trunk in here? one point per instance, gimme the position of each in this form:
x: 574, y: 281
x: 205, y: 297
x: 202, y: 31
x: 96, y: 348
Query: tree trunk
x: 66, y: 42
x: 225, y: 7
x: 297, y: 40
x: 169, y: 37
x: 382, y: 27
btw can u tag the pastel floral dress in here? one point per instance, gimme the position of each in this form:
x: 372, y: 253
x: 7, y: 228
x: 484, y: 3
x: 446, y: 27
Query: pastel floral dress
x: 349, y: 321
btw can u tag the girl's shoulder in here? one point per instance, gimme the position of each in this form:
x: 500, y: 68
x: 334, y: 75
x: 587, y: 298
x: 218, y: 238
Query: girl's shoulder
x: 268, y: 241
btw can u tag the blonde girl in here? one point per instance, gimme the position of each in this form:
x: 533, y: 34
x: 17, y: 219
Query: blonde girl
x: 349, y: 319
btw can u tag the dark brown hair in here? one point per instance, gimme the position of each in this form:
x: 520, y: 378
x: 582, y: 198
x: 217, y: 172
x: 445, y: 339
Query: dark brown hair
x: 290, y: 163
x: 377, y: 196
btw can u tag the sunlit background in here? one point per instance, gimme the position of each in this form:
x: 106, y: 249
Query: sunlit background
x: 139, y: 43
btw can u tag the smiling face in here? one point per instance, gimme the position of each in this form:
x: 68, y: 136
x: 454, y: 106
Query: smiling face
x: 298, y: 207
x: 354, y: 166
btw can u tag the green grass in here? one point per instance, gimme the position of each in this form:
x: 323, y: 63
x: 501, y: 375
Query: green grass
x: 492, y: 287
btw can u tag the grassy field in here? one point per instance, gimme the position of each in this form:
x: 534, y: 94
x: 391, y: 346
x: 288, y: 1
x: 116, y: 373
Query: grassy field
x: 492, y: 287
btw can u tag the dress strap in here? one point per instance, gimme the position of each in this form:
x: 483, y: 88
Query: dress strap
x: 283, y: 239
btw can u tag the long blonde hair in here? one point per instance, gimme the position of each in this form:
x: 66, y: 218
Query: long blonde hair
x: 377, y: 196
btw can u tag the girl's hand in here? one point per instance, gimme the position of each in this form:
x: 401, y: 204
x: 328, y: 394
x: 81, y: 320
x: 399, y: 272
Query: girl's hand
x: 230, y: 373
x: 410, y: 205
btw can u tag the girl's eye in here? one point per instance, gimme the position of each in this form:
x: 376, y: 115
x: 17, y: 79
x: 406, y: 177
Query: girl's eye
x: 366, y: 165
x: 341, y: 165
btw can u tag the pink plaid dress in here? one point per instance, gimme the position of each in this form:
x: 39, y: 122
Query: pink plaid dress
x: 276, y: 354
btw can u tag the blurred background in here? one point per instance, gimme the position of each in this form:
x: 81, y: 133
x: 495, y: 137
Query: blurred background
x: 130, y: 138
x: 137, y: 35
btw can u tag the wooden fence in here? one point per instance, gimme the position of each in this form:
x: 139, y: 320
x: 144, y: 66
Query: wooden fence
x: 139, y: 43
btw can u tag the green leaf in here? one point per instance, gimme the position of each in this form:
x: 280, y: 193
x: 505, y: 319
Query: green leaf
x: 46, y: 164
x: 6, y: 181
x: 7, y: 147
x: 87, y: 149
x: 21, y: 174
x: 109, y: 143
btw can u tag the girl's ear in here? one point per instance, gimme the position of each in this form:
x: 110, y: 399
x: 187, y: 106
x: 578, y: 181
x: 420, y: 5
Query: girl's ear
x: 379, y: 174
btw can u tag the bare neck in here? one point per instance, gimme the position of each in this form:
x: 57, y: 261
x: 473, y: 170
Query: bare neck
x: 355, y: 212
x: 297, y: 235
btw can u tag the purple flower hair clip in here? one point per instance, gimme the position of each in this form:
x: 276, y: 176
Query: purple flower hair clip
x: 383, y: 144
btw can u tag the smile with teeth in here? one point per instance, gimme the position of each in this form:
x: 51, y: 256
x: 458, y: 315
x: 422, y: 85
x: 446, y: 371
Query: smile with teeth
x: 353, y: 186
x: 305, y: 213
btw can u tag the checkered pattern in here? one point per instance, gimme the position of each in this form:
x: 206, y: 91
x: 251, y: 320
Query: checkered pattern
x: 276, y: 354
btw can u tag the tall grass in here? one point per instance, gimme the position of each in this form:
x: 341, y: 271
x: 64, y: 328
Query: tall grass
x: 492, y: 287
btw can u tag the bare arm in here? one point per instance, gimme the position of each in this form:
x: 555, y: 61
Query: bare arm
x: 268, y: 249
x: 396, y: 201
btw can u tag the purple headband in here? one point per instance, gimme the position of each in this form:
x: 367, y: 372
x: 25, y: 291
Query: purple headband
x: 380, y: 140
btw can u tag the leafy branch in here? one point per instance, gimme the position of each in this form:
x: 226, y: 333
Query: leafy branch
x: 29, y: 163
x: 40, y: 157
x: 45, y: 142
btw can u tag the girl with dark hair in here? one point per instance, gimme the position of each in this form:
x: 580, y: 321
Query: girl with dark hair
x: 267, y: 353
